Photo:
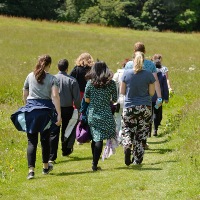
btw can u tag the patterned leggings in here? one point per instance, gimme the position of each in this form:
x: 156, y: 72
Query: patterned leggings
x: 135, y: 128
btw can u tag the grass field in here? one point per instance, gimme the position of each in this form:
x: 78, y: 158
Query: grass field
x: 171, y: 167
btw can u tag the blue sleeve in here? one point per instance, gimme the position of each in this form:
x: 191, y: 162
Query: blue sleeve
x: 152, y: 78
x: 129, y: 65
x: 153, y: 68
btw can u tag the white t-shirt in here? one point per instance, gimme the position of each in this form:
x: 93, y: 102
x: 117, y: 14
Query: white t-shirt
x: 117, y: 78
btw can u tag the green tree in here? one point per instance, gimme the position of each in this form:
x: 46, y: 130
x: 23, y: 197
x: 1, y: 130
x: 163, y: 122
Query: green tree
x: 35, y: 9
x: 71, y: 10
x: 106, y: 12
x: 187, y: 20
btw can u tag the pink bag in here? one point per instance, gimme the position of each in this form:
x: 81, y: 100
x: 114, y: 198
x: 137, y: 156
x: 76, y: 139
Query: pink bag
x: 83, y: 133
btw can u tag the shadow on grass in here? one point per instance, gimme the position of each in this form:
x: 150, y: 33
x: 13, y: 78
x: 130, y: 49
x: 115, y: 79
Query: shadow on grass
x: 160, y: 162
x: 159, y: 142
x: 139, y: 167
x: 160, y: 151
x: 73, y: 173
x: 73, y: 158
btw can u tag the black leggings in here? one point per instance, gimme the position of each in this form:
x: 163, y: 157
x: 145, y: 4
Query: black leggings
x: 96, y: 151
x: 32, y: 147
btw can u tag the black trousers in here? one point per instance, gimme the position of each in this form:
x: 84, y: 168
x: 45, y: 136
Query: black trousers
x: 32, y: 147
x: 157, y: 117
x: 66, y: 114
x: 97, y: 148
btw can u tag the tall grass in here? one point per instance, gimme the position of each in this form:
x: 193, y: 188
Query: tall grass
x: 171, y: 166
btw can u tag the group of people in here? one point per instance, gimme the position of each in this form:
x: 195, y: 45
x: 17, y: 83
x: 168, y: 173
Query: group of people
x: 51, y: 101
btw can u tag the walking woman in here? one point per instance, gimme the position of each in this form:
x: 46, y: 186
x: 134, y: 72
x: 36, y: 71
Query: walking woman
x: 99, y: 92
x: 40, y: 94
x: 138, y: 86
x: 83, y: 65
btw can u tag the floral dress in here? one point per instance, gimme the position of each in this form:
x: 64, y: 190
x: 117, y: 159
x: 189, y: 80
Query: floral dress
x: 100, y: 118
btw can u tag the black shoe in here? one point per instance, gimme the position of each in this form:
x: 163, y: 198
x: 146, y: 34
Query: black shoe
x: 95, y: 168
x: 155, y: 133
x: 67, y: 152
x: 30, y: 175
x: 127, y: 159
x: 50, y: 168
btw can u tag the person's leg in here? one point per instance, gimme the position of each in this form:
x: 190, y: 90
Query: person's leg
x: 97, y: 148
x: 118, y: 118
x: 54, y: 141
x: 45, y: 146
x: 31, y: 153
x: 156, y: 119
x: 32, y: 148
x: 128, y: 127
x: 66, y: 114
x: 143, y: 124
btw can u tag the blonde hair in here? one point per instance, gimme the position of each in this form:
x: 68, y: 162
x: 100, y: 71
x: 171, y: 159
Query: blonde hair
x: 138, y: 61
x: 85, y: 59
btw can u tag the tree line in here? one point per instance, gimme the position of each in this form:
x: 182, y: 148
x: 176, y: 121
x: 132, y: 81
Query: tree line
x: 157, y: 15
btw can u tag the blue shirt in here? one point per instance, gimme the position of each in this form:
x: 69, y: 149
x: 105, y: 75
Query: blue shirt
x: 137, y: 87
x: 148, y: 65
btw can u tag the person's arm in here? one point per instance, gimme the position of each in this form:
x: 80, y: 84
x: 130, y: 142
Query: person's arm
x: 25, y: 95
x: 157, y: 85
x: 76, y: 94
x: 151, y: 89
x: 168, y: 82
x: 74, y: 72
x: 165, y: 89
x: 56, y: 100
x: 123, y: 88
x: 87, y: 100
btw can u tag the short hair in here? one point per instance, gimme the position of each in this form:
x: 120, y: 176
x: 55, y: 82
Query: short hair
x: 157, y: 56
x: 139, y: 46
x: 63, y: 64
x: 157, y: 63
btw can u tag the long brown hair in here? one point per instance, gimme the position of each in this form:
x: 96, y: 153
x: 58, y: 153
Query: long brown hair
x: 100, y: 75
x: 39, y: 72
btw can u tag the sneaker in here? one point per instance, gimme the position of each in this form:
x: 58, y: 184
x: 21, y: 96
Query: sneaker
x: 135, y: 163
x: 52, y: 162
x: 155, y: 133
x: 146, y: 146
x: 30, y: 175
x: 95, y: 168
x: 127, y: 158
x: 50, y: 168
x: 67, y: 152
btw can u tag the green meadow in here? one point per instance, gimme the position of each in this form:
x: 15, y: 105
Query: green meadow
x: 171, y: 167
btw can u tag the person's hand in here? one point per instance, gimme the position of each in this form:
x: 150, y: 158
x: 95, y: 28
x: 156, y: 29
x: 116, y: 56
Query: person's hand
x: 166, y: 101
x: 79, y: 114
x: 171, y: 92
x: 59, y: 120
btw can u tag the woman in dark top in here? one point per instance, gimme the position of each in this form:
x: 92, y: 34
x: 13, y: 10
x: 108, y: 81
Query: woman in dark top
x: 83, y: 65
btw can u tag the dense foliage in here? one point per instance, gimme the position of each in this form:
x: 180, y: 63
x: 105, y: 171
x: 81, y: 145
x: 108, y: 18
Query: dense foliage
x: 158, y: 15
